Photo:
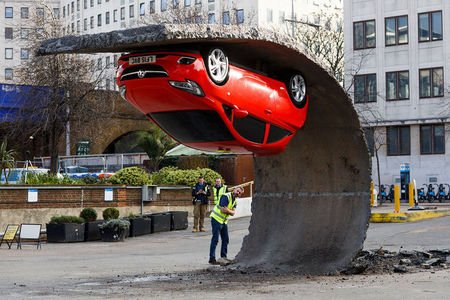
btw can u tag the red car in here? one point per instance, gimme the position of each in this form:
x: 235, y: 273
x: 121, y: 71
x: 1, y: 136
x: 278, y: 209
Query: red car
x: 208, y: 103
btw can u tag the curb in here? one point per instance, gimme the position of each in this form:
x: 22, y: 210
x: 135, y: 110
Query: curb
x: 407, y: 216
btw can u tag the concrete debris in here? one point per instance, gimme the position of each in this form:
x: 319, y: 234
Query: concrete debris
x: 406, y: 253
x: 400, y: 269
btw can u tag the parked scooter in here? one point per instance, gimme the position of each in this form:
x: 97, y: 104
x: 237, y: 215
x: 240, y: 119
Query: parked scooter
x: 421, y: 195
x: 390, y: 196
x: 431, y: 196
x: 441, y: 196
x: 382, y: 194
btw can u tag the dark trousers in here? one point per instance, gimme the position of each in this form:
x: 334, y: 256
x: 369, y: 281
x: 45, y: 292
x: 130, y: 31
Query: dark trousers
x: 217, y: 229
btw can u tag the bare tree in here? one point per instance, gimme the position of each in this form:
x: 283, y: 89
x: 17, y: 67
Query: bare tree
x: 58, y: 89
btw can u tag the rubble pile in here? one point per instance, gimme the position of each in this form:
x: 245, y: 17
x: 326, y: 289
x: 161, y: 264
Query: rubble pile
x: 383, y: 261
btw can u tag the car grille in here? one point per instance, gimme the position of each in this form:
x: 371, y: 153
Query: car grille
x: 143, y: 71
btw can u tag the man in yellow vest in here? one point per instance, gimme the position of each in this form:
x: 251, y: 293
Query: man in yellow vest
x: 224, y: 208
x: 218, y: 190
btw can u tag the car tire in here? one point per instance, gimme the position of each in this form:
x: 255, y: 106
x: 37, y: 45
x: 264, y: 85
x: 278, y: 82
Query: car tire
x: 217, y: 66
x: 297, y: 90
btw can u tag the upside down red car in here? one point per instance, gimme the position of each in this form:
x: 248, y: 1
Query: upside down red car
x: 208, y: 103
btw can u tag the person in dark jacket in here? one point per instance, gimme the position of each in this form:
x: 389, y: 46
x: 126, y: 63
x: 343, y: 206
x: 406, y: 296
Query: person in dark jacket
x: 200, y: 194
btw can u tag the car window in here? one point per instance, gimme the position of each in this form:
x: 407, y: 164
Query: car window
x: 250, y: 128
x: 277, y: 133
x: 193, y: 126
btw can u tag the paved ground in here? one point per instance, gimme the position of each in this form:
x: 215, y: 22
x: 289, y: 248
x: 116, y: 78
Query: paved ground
x: 174, y: 265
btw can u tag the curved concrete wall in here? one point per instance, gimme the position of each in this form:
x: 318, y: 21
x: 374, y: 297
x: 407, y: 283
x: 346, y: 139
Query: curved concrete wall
x: 311, y: 203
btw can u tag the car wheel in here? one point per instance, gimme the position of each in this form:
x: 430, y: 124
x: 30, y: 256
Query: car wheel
x: 297, y: 90
x: 217, y: 66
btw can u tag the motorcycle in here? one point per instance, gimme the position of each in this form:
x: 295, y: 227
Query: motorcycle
x: 431, y: 196
x: 421, y: 197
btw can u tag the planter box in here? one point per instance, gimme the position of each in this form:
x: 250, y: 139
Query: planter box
x: 112, y: 234
x: 179, y: 220
x: 92, y: 232
x: 140, y: 226
x: 160, y: 221
x: 65, y: 233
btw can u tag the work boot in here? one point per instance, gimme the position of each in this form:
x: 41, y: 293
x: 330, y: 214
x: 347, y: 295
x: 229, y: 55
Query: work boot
x: 213, y: 262
x: 194, y: 230
x: 202, y: 229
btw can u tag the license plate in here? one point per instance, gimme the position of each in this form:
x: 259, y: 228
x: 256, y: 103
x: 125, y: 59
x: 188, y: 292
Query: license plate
x: 148, y: 59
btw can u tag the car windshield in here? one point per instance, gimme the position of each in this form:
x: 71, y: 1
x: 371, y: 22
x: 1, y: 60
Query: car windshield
x: 193, y: 126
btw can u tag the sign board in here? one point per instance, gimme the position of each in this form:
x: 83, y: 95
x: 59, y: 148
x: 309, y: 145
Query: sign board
x: 83, y: 147
x: 10, y: 235
x: 32, y: 195
x: 30, y: 232
x: 109, y: 194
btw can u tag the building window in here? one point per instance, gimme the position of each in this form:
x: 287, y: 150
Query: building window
x: 115, y: 60
x: 8, y: 74
x: 240, y: 16
x: 85, y: 4
x: 78, y: 5
x: 8, y: 12
x: 198, y: 1
x: 211, y: 18
x: 175, y: 3
x: 92, y: 3
x: 364, y: 35
x: 108, y: 84
x: 85, y: 24
x: 432, y: 139
x: 99, y: 64
x: 370, y: 138
x: 56, y: 13
x: 269, y: 15
x: 24, y: 33
x: 107, y: 18
x: 99, y: 20
x: 92, y: 22
x: 8, y: 53
x: 431, y: 82
x: 187, y: 2
x: 365, y: 88
x: 397, y: 85
x: 163, y: 5
x: 24, y: 12
x: 131, y: 11
x: 24, y: 53
x: 64, y: 12
x: 142, y: 9
x: 122, y: 13
x: 8, y: 33
x: 281, y: 17
x: 115, y: 15
x: 152, y: 7
x: 396, y: 30
x: 72, y: 5
x: 40, y: 12
x: 226, y: 18
x: 430, y: 26
x: 198, y: 20
x: 108, y: 62
x: 99, y: 1
x: 398, y: 140
x: 78, y: 27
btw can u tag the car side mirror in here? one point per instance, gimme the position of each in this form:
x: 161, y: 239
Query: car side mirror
x: 240, y: 113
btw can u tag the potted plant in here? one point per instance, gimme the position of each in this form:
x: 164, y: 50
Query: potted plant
x: 91, y: 232
x: 110, y: 213
x: 114, y: 230
x: 160, y: 221
x: 65, y: 229
x: 139, y: 225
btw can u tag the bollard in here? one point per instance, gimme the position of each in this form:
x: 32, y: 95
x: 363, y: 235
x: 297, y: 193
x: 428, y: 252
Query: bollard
x: 411, y: 194
x: 371, y: 194
x: 397, y: 198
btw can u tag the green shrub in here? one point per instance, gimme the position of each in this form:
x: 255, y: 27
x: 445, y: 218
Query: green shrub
x: 175, y: 176
x: 131, y: 216
x: 46, y: 178
x: 90, y: 180
x: 66, y: 219
x: 131, y: 176
x: 115, y: 223
x: 88, y: 214
x: 110, y: 213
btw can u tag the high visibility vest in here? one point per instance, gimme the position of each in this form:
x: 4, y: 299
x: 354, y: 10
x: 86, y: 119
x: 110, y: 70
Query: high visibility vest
x: 218, y: 193
x: 217, y: 213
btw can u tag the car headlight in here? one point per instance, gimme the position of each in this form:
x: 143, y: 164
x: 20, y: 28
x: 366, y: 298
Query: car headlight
x: 188, y: 86
x: 123, y: 92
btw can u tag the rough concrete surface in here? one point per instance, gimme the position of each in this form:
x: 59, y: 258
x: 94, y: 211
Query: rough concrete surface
x: 311, y: 206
